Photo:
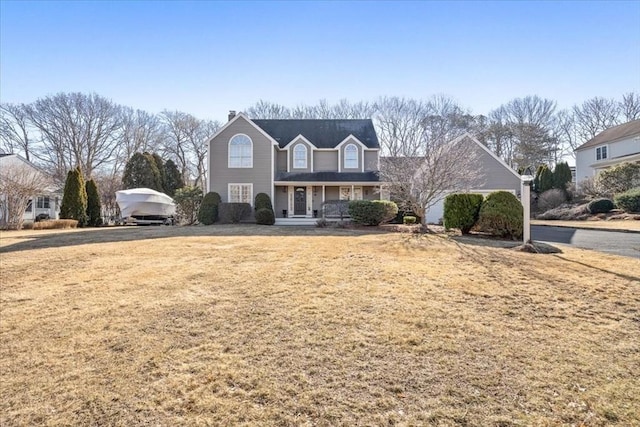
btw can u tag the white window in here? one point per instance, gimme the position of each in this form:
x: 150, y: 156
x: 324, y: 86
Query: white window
x: 601, y: 153
x: 300, y: 156
x: 240, y: 152
x: 351, y: 157
x: 345, y: 193
x: 42, y: 203
x: 241, y: 193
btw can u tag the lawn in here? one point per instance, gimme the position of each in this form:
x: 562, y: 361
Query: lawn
x: 250, y: 325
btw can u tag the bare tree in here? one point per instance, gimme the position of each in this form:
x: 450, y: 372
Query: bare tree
x: 76, y: 130
x: 594, y: 116
x: 630, y: 107
x: 398, y: 123
x: 19, y: 183
x: 140, y: 132
x: 268, y: 110
x: 15, y: 130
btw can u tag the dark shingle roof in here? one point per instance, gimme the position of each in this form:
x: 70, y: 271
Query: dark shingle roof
x: 612, y: 134
x: 328, y: 176
x: 321, y: 133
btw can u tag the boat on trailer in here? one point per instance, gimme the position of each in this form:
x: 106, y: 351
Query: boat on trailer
x: 145, y: 206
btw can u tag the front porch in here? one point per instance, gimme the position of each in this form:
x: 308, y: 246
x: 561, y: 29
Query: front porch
x: 305, y: 200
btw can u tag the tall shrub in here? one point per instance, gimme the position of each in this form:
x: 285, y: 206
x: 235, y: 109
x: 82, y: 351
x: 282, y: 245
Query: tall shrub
x: 188, y: 201
x: 461, y: 211
x: 501, y: 215
x: 94, y: 208
x: 262, y: 201
x: 544, y: 179
x: 141, y: 171
x: 74, y: 199
x: 561, y: 176
x: 172, y: 178
x: 620, y: 178
x: 365, y: 212
x: 208, y: 212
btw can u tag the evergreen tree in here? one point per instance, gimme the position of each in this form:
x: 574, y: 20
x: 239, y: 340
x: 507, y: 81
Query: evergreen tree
x: 536, y: 179
x: 141, y: 172
x: 172, y: 178
x: 94, y: 208
x: 160, y: 166
x: 74, y: 199
x: 545, y: 179
x: 561, y: 176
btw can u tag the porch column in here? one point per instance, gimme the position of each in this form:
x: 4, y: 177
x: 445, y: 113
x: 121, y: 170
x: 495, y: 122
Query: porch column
x: 353, y: 192
x: 322, y: 205
x: 309, y: 213
x: 289, y: 201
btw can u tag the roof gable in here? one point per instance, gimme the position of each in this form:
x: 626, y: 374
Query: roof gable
x: 613, y: 134
x: 321, y: 133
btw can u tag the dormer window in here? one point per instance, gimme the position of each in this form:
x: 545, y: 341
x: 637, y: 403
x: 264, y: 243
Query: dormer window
x: 240, y: 152
x: 601, y: 153
x: 300, y: 157
x: 351, y: 157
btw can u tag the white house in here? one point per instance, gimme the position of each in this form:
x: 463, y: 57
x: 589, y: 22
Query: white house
x: 45, y: 204
x: 608, y: 148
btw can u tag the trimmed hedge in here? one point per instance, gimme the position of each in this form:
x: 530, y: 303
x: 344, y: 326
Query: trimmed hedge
x: 501, y: 215
x: 409, y: 220
x: 208, y: 212
x: 265, y: 216
x: 600, y: 206
x: 372, y: 212
x: 262, y: 201
x: 461, y: 211
x: 629, y: 201
x: 233, y: 212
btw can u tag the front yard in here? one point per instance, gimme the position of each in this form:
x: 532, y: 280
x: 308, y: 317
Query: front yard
x: 250, y: 325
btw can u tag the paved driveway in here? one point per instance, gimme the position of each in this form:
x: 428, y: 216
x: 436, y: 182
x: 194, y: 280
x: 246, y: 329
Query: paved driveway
x: 613, y: 242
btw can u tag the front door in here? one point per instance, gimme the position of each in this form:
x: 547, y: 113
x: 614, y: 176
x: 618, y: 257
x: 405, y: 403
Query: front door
x: 300, y: 201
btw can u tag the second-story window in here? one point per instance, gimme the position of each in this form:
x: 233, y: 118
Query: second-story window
x: 240, y: 152
x: 300, y: 156
x: 351, y: 157
x: 601, y: 153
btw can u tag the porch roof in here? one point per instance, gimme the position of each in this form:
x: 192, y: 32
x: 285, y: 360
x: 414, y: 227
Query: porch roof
x: 328, y: 177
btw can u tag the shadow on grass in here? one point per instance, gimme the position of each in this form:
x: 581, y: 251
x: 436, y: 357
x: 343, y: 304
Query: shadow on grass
x: 622, y: 276
x: 44, y: 240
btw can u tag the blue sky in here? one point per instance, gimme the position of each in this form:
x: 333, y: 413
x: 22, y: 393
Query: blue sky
x: 208, y: 57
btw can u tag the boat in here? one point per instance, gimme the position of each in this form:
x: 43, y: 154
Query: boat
x: 145, y: 206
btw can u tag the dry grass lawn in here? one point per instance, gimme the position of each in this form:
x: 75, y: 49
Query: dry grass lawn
x: 249, y: 325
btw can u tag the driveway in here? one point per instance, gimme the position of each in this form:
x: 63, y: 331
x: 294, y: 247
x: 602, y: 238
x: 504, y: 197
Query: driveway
x: 613, y: 242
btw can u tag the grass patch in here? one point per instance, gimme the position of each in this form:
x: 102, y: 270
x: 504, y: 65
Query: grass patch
x: 249, y: 325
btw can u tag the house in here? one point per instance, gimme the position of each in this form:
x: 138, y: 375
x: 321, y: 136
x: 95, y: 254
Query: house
x: 45, y: 204
x: 493, y: 175
x: 300, y: 164
x: 608, y: 148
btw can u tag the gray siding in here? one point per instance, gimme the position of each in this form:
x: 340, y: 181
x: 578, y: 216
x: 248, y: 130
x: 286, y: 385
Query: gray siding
x: 494, y: 175
x: 281, y: 202
x: 324, y: 161
x: 260, y: 175
x: 281, y: 160
x: 370, y: 160
x: 309, y: 155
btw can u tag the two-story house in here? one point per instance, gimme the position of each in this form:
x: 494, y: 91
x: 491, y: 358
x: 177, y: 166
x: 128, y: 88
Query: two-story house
x: 611, y: 147
x: 299, y: 163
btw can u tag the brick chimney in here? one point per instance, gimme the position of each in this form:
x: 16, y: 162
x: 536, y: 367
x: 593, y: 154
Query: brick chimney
x: 232, y: 114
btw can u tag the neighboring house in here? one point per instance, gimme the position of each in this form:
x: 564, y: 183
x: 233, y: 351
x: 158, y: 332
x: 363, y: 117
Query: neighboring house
x: 300, y: 164
x: 493, y: 175
x: 608, y: 148
x: 46, y: 203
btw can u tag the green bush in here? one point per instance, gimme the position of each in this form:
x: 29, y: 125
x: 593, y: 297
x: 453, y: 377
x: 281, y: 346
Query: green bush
x: 562, y: 176
x: 629, y: 201
x: 262, y: 201
x: 619, y: 178
x: 501, y: 215
x: 74, y: 199
x: 600, y: 206
x: 187, y: 200
x: 409, y: 220
x: 208, y: 212
x: 461, y: 211
x: 233, y: 212
x: 390, y: 209
x: 265, y: 216
x: 366, y: 212
x: 543, y: 180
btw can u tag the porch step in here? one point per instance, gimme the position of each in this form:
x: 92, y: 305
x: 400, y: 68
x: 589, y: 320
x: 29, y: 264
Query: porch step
x: 296, y: 221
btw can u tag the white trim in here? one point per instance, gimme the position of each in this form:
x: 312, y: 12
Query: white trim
x: 250, y: 184
x: 357, y: 156
x: 306, y: 156
x: 300, y: 136
x: 356, y: 140
x: 229, y: 152
x: 329, y: 183
x: 595, y: 152
x: 237, y: 117
x: 274, y: 166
